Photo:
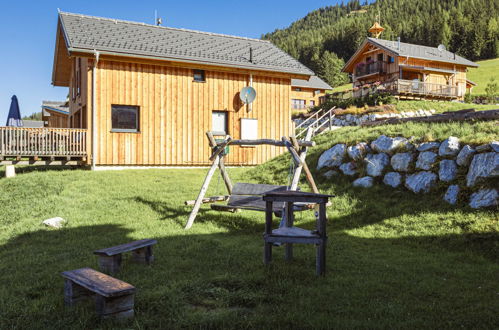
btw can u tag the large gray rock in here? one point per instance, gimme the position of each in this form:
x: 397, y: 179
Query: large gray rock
x: 389, y: 145
x: 495, y: 146
x: 348, y: 168
x: 364, y: 182
x: 449, y: 147
x: 465, y: 155
x: 401, y: 161
x: 376, y: 163
x: 421, y: 181
x: 484, y: 198
x: 358, y: 151
x: 393, y: 179
x: 483, y: 148
x: 451, y: 194
x: 483, y: 166
x: 329, y: 174
x: 426, y: 160
x: 427, y: 146
x: 332, y: 157
x: 448, y: 170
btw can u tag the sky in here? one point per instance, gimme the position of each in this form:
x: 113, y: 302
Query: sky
x: 28, y: 30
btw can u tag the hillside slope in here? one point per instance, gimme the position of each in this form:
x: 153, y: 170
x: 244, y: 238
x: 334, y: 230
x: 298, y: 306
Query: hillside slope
x: 481, y: 75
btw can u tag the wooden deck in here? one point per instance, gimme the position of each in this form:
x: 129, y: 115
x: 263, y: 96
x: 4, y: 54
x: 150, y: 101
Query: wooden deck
x: 43, y: 146
x: 415, y: 89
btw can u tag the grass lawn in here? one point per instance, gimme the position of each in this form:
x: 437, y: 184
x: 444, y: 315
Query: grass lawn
x: 395, y: 259
x: 440, y: 107
x: 481, y: 75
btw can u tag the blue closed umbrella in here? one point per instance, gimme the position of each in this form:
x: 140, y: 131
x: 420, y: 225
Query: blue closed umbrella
x: 14, y: 118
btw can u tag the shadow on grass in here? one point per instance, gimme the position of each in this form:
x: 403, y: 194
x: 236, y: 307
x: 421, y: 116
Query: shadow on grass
x: 23, y: 169
x: 218, y: 280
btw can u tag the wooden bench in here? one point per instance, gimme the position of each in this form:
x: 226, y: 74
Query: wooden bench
x: 113, y: 298
x: 248, y: 196
x: 110, y: 258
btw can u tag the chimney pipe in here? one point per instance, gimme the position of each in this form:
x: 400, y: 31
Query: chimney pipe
x: 398, y: 43
x: 251, y: 55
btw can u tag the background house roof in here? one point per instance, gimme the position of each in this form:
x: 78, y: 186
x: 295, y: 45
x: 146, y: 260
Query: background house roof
x: 88, y: 33
x: 58, y: 106
x: 422, y: 52
x: 32, y: 123
x: 313, y: 82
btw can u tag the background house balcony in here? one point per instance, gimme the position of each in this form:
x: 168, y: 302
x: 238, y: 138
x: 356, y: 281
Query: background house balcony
x: 370, y: 68
x: 413, y: 88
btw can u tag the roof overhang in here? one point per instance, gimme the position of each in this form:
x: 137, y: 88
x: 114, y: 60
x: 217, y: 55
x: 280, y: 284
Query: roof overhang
x: 61, y: 70
x: 348, y: 67
x: 62, y: 112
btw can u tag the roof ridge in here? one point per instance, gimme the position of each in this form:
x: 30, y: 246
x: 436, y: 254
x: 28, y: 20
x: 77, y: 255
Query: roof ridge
x: 163, y: 27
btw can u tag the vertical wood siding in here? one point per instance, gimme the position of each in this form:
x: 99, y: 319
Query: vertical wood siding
x: 175, y: 113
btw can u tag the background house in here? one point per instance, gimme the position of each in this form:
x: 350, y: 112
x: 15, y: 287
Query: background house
x: 55, y: 114
x: 147, y: 94
x: 408, y: 70
x: 306, y: 93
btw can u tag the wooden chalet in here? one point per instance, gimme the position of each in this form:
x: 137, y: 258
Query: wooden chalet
x: 55, y: 114
x: 407, y: 70
x: 145, y: 95
x: 307, y: 93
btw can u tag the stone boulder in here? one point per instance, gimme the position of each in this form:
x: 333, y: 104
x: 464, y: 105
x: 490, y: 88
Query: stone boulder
x: 401, y: 161
x: 385, y: 144
x: 484, y: 198
x: 483, y: 166
x: 450, y: 147
x: 364, y: 182
x: 426, y: 160
x: 393, y: 179
x: 421, y: 181
x: 376, y: 163
x: 465, y: 155
x: 348, y: 168
x: 358, y: 151
x: 332, y: 157
x: 451, y: 194
x: 495, y: 146
x: 448, y: 170
x: 329, y: 174
x: 427, y: 146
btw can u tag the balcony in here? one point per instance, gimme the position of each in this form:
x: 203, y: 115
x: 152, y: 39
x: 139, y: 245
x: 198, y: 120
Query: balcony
x: 413, y: 88
x: 370, y: 69
x: 44, y: 146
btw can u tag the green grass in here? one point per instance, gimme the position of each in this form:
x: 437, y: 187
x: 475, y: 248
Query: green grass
x: 394, y: 259
x: 342, y: 88
x: 481, y: 75
x: 440, y: 107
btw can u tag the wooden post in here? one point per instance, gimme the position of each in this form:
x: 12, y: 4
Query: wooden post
x: 202, y: 192
x: 298, y: 161
x: 267, y: 249
x: 221, y: 166
x: 303, y: 155
x: 321, y: 248
x: 288, y: 252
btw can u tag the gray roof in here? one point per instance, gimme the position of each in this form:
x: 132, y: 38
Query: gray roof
x: 88, y: 33
x: 32, y: 123
x: 422, y: 52
x: 313, y: 82
x: 59, y: 106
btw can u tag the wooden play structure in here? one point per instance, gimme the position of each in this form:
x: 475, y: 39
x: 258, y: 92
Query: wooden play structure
x: 247, y: 196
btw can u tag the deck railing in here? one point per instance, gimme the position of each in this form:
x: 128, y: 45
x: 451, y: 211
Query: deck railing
x: 52, y: 142
x: 370, y: 68
x: 412, y: 88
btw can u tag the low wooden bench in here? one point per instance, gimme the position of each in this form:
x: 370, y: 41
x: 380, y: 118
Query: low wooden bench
x: 113, y: 298
x: 110, y: 258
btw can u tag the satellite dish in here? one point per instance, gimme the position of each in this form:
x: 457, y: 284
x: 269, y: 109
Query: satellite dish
x: 247, y: 95
x: 441, y: 47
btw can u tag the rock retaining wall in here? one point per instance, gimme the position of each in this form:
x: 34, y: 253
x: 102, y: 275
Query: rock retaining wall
x: 468, y: 172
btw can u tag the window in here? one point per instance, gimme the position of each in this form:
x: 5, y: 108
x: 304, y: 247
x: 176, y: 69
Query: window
x: 249, y: 129
x: 380, y: 57
x: 298, y: 104
x: 312, y: 103
x: 368, y: 59
x: 125, y: 118
x: 390, y: 59
x: 199, y: 76
x: 219, y: 122
x: 298, y: 89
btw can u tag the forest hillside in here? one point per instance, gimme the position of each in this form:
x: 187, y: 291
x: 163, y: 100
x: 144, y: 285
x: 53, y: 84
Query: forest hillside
x: 325, y: 38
